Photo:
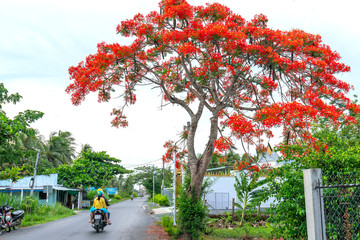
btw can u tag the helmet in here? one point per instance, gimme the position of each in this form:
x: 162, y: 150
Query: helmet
x: 99, y: 189
x: 99, y: 193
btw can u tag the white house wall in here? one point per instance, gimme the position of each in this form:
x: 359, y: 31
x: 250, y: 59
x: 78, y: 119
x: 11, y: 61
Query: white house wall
x: 226, y: 185
x: 222, y: 185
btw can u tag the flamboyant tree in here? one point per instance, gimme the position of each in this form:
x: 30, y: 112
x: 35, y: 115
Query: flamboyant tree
x: 251, y: 78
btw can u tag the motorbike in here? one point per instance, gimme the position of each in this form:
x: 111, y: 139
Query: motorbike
x: 99, y: 220
x: 10, y: 219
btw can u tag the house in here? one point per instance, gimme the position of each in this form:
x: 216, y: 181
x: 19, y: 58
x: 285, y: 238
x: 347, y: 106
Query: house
x: 46, y: 190
x: 222, y: 191
x: 270, y: 159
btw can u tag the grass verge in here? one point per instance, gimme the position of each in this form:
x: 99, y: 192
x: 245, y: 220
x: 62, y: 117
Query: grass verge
x: 46, y: 214
x: 240, y: 232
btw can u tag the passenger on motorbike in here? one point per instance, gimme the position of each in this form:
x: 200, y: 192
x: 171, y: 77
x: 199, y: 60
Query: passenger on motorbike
x: 99, y: 203
x: 106, y: 201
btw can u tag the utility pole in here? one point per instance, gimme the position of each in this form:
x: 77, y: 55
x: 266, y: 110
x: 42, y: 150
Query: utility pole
x: 153, y: 184
x: 174, y: 188
x: 32, y: 181
x: 163, y: 181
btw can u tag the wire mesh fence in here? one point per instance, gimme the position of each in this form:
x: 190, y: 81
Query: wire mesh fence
x: 218, y: 200
x: 341, y: 199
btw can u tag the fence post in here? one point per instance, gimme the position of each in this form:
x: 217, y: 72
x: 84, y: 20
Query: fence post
x: 233, y: 207
x: 315, y: 219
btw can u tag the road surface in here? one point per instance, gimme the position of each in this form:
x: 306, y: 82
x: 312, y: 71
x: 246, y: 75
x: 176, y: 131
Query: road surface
x: 129, y: 221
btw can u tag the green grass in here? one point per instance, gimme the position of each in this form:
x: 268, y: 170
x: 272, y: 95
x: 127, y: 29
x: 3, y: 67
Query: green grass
x: 236, y: 233
x: 35, y: 213
x: 46, y: 214
x: 114, y: 200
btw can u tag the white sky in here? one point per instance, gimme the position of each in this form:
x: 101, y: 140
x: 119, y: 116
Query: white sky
x: 41, y: 39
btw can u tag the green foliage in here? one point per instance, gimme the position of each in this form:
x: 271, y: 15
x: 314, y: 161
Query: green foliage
x: 230, y: 161
x: 246, y: 232
x: 35, y: 213
x: 58, y: 149
x: 91, y: 194
x: 338, y: 151
x: 118, y: 197
x: 90, y: 169
x: 126, y: 185
x: 192, y: 213
x: 10, y: 152
x: 168, y: 223
x: 162, y: 200
x: 144, y: 176
x: 249, y: 191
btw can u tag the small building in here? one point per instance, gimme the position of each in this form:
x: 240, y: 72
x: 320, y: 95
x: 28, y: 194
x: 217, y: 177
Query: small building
x: 222, y: 191
x: 46, y: 190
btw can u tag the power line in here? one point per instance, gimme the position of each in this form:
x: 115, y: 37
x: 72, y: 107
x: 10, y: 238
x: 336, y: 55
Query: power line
x: 142, y: 164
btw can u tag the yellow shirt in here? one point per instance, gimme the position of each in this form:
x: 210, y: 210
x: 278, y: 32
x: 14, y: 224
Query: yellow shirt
x: 98, y: 204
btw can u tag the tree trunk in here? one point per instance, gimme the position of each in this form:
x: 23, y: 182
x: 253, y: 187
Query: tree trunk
x: 198, y: 166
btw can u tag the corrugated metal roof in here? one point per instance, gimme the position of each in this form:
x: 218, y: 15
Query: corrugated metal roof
x: 40, y: 182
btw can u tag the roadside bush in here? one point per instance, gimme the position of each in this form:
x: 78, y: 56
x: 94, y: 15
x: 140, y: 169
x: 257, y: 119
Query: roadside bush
x: 118, y: 197
x: 192, y: 213
x: 168, y: 224
x: 162, y: 200
x: 91, y: 194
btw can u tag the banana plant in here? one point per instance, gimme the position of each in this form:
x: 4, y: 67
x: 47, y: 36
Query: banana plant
x: 249, y: 191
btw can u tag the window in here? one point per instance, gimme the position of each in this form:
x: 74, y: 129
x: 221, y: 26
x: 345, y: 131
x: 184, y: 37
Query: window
x: 42, y: 195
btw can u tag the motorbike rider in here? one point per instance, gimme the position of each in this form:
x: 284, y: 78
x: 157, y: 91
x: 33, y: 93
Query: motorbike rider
x: 106, y: 201
x: 99, y: 203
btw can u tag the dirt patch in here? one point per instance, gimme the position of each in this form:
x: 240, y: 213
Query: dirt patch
x: 156, y: 232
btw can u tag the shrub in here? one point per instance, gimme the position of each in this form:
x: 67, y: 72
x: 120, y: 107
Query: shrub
x: 192, y: 213
x: 91, y: 194
x: 118, y: 197
x: 36, y: 213
x: 162, y: 200
x: 168, y: 224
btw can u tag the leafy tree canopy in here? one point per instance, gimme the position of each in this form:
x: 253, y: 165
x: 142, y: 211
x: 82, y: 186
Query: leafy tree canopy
x: 144, y: 176
x: 91, y: 169
x: 337, y: 151
x: 10, y: 129
x: 250, y: 78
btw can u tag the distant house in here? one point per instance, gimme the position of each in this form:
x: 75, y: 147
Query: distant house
x: 270, y: 159
x: 46, y: 189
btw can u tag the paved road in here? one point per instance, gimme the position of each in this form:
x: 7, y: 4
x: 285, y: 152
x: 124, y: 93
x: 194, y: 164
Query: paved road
x: 129, y: 221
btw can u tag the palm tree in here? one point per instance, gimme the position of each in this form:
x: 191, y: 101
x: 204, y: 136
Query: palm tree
x: 86, y: 147
x: 59, y: 149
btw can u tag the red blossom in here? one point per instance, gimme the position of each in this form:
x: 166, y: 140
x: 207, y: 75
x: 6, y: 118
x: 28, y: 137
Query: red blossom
x: 253, y: 77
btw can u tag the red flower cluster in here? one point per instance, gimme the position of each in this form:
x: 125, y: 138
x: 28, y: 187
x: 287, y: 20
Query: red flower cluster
x: 223, y: 144
x: 253, y: 77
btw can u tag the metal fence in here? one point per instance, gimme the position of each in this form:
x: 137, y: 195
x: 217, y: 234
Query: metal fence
x: 218, y: 200
x: 341, y: 202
